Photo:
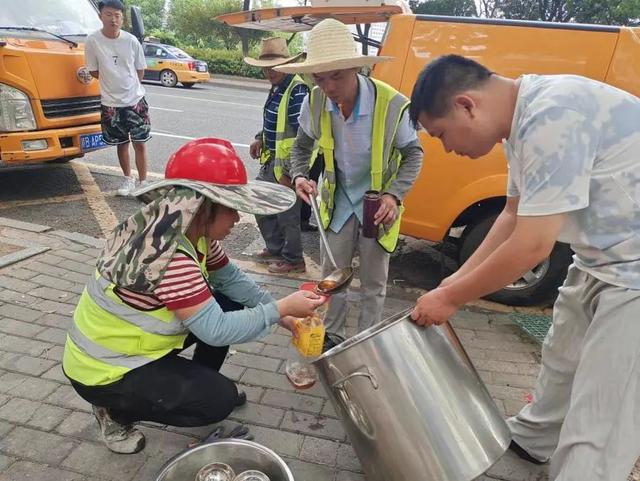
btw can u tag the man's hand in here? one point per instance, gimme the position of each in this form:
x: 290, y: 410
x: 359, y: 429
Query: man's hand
x: 255, y: 149
x: 289, y: 323
x: 304, y: 188
x: 387, y: 212
x: 434, y: 307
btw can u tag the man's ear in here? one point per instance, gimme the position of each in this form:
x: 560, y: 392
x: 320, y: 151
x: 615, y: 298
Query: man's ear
x: 465, y: 103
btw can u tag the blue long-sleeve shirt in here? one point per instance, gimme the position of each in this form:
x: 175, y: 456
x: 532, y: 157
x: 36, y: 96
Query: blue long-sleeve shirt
x: 218, y: 328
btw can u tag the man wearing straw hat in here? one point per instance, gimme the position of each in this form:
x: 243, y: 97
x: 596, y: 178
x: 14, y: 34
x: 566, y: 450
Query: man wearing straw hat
x: 281, y: 233
x: 363, y: 128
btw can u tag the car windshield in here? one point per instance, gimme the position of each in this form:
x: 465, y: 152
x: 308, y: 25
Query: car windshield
x: 177, y: 52
x: 62, y: 17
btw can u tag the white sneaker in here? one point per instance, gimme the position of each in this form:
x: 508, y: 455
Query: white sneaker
x: 143, y: 183
x: 127, y: 186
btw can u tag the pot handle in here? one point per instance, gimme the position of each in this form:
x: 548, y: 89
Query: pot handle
x: 364, y: 373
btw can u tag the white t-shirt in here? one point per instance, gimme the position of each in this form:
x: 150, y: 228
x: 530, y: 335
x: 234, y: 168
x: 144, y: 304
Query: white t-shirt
x: 575, y: 148
x: 117, y: 60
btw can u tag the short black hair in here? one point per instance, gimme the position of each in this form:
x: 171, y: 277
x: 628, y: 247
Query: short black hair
x: 117, y: 4
x: 440, y: 81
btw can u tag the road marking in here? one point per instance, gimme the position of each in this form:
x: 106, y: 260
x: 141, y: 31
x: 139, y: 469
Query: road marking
x: 210, y: 100
x: 109, y: 169
x: 95, y: 198
x: 166, y: 110
x: 185, y: 137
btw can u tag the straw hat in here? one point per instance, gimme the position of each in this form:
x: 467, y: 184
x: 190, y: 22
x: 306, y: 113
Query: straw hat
x: 331, y: 47
x: 273, y: 51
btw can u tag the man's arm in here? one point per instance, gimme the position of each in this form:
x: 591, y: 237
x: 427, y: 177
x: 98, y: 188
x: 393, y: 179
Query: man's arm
x: 91, y: 59
x: 500, y: 231
x: 530, y: 242
x: 140, y: 74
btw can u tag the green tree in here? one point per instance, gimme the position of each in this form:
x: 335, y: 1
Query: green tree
x: 152, y: 12
x: 457, y: 8
x: 194, y: 22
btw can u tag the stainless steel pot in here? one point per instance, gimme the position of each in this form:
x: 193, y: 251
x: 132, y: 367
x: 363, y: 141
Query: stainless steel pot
x: 240, y: 454
x: 413, y: 404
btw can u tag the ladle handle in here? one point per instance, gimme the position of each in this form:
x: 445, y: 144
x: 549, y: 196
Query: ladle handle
x: 323, y: 235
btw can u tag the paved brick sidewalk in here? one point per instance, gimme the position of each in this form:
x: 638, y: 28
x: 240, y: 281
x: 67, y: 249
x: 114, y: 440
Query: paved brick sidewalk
x: 47, y: 431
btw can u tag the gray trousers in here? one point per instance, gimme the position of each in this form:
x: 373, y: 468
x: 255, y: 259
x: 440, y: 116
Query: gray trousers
x: 281, y: 232
x: 586, y: 410
x: 374, y: 270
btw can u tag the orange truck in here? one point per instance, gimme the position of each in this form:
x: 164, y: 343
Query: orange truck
x: 49, y: 103
x: 457, y: 195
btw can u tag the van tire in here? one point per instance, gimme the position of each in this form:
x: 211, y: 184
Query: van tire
x: 548, y: 275
x: 188, y: 85
x: 168, y: 78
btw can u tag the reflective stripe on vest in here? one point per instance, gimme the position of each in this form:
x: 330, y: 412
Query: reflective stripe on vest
x: 385, y: 158
x: 97, y: 351
x: 108, y: 338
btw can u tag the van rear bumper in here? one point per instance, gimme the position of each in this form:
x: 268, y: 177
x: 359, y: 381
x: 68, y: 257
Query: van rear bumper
x: 61, y: 143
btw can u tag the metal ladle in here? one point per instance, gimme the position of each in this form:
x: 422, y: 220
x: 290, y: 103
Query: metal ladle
x: 338, y: 279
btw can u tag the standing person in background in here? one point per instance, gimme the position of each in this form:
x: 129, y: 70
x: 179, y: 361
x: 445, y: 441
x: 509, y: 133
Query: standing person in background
x: 272, y: 146
x: 362, y: 127
x: 116, y: 58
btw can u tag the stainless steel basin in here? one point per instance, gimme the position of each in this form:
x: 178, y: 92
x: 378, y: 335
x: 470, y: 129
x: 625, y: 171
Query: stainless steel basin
x: 240, y: 454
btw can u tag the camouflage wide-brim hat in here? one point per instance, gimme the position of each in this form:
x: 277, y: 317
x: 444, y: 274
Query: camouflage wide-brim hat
x: 254, y: 197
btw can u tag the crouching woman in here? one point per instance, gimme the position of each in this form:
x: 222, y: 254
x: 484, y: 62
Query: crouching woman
x: 163, y: 283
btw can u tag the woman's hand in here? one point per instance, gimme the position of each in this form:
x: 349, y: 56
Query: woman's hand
x: 299, y: 304
x: 289, y: 323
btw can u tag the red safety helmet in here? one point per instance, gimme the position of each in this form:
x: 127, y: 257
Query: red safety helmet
x: 208, y: 160
x: 211, y: 167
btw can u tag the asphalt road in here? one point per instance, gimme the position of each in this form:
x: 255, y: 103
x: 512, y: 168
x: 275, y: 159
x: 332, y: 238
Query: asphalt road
x: 80, y: 196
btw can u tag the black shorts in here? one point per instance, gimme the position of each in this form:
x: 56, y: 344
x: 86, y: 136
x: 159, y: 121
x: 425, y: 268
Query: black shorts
x: 121, y: 124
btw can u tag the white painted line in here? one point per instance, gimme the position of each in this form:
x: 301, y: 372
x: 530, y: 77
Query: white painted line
x: 174, y: 136
x: 208, y: 100
x: 166, y: 110
x: 109, y: 169
x: 95, y: 198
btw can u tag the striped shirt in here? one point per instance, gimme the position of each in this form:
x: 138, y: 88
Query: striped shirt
x: 183, y: 284
x: 270, y: 114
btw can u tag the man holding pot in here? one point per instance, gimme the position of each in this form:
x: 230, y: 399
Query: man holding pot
x: 272, y: 146
x: 572, y: 146
x: 362, y: 127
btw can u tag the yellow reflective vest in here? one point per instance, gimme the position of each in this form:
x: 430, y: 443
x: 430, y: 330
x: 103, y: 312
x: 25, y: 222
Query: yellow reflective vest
x: 385, y: 158
x: 109, y: 338
x: 285, y: 134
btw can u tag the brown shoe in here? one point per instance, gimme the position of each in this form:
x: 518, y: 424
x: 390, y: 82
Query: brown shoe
x: 284, y: 267
x: 265, y: 257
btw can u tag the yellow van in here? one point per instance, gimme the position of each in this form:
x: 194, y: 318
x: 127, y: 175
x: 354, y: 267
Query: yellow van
x: 170, y: 65
x: 456, y: 192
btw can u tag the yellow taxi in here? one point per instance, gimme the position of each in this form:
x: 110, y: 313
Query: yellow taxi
x: 170, y: 65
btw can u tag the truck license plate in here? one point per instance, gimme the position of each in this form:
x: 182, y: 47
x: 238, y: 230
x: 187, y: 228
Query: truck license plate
x: 91, y: 142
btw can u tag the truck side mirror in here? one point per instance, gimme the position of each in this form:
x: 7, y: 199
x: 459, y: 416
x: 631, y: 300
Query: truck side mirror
x: 137, y: 25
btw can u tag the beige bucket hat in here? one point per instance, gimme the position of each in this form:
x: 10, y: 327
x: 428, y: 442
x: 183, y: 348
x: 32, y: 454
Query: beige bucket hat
x: 331, y: 47
x: 273, y: 51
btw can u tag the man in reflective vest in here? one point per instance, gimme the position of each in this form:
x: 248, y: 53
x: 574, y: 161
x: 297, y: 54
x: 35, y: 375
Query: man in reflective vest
x: 272, y: 146
x: 362, y: 127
